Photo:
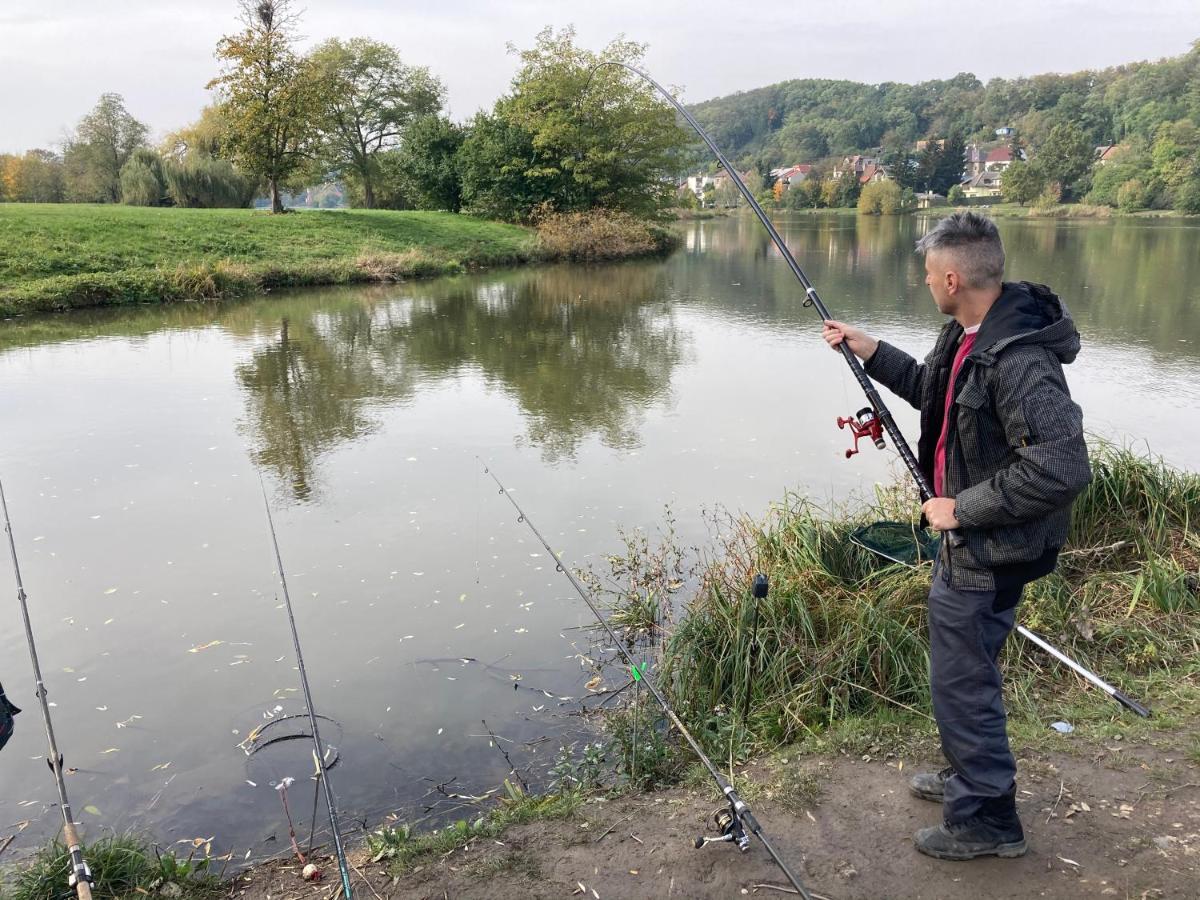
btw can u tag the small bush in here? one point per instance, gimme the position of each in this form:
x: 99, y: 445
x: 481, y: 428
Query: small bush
x: 881, y: 198
x: 598, y: 235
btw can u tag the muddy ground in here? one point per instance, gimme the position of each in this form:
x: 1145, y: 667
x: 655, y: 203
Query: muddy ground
x: 1117, y: 821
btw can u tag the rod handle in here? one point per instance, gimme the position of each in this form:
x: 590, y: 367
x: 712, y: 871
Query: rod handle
x: 1130, y: 704
x: 956, y: 538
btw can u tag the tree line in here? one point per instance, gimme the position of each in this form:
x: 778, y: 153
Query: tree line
x: 566, y: 137
x: 1150, y: 111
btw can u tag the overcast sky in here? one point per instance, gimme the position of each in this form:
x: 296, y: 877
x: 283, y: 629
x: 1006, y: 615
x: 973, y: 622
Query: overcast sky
x: 58, y: 56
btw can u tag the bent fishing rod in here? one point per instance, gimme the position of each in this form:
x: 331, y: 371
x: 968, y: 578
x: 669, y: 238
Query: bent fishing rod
x: 733, y: 822
x: 1120, y: 696
x: 80, y: 878
x: 870, y: 421
x: 318, y: 747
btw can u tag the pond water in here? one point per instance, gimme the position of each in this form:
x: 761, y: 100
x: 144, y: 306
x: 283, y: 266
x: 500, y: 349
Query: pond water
x: 133, y: 443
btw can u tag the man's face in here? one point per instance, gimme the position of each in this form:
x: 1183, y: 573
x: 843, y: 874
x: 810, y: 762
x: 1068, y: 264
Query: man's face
x: 943, y: 281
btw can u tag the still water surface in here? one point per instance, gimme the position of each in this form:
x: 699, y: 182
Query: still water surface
x: 133, y: 443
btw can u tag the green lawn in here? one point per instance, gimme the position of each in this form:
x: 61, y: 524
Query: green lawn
x: 56, y: 256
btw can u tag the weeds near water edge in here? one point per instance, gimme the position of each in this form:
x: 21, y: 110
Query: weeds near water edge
x: 842, y: 634
x: 123, y: 865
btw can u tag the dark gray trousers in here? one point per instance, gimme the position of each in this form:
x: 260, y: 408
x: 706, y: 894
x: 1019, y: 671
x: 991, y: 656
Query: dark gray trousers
x: 965, y: 637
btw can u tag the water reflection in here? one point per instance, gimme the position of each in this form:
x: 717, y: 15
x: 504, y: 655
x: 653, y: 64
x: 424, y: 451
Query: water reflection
x: 582, y: 352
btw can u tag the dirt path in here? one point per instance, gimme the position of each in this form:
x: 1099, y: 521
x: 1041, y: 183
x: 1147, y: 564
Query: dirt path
x: 1124, y: 823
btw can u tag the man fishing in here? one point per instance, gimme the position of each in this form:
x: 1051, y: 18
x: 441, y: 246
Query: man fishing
x: 1002, y: 444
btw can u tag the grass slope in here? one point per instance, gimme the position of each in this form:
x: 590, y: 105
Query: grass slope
x: 60, y: 256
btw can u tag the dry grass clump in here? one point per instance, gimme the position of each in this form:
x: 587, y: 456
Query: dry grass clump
x: 598, y: 235
x: 416, y: 262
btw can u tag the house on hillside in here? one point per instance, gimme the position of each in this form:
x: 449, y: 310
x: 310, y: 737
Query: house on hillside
x: 791, y: 174
x: 873, y: 172
x: 983, y: 184
x: 855, y: 165
x: 929, y: 199
x: 698, y: 184
x: 1106, y: 153
x: 998, y: 159
x: 940, y: 144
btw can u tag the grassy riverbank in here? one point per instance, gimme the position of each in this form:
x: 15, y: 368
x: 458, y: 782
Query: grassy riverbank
x: 64, y: 256
x: 842, y: 636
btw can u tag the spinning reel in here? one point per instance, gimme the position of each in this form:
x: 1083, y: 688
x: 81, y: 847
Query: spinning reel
x: 730, y: 826
x: 863, y: 424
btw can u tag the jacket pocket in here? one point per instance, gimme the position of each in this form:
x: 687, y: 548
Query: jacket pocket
x: 1051, y: 414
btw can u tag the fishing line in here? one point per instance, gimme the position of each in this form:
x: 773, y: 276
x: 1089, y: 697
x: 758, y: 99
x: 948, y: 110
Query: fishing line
x: 870, y: 422
x: 318, y: 747
x: 733, y: 821
x: 81, y: 876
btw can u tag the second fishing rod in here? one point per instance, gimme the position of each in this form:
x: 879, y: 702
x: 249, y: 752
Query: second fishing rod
x: 318, y: 746
x: 738, y: 819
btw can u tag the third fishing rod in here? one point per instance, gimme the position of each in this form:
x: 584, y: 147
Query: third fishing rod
x: 318, y: 747
x: 80, y: 877
x: 869, y: 422
x: 737, y: 819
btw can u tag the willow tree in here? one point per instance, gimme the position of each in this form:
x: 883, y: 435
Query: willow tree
x: 267, y: 94
x: 367, y: 98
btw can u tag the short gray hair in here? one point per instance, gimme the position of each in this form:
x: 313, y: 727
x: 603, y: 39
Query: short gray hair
x: 975, y: 243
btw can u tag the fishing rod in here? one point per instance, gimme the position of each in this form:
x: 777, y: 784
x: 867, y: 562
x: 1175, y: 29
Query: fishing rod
x: 80, y: 879
x: 318, y: 748
x: 1120, y: 696
x: 870, y: 421
x: 733, y: 821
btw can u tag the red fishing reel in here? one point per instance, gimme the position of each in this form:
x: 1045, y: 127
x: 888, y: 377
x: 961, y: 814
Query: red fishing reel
x: 864, y: 424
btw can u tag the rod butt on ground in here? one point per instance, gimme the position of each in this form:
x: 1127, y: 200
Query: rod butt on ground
x: 1130, y: 704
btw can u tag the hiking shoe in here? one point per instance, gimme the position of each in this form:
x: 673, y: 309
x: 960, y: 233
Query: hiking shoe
x: 930, y: 785
x: 977, y: 836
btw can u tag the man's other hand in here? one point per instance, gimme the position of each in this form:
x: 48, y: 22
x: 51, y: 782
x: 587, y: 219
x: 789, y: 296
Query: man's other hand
x: 939, y: 512
x: 860, y: 343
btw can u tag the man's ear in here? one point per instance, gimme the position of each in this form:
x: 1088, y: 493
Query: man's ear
x: 953, y: 282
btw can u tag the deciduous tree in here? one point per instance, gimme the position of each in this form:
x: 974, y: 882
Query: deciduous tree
x: 367, y: 98
x: 267, y: 95
x: 103, y: 142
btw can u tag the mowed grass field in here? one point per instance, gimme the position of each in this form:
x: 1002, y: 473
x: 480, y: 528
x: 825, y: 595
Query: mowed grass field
x: 58, y: 256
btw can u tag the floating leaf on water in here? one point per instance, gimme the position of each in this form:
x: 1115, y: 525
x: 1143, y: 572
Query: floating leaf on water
x: 251, y: 783
x: 206, y: 646
x: 92, y: 810
x: 160, y: 767
x: 521, y: 631
x: 111, y: 591
x: 109, y: 621
x: 110, y: 750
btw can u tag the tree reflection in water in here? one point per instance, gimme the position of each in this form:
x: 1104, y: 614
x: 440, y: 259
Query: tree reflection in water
x: 582, y: 351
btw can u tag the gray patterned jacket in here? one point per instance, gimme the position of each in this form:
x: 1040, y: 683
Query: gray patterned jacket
x: 1015, y: 451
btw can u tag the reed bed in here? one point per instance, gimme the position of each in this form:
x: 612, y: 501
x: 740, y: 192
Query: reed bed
x: 842, y: 634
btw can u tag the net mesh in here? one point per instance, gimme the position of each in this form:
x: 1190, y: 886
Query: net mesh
x: 901, y: 542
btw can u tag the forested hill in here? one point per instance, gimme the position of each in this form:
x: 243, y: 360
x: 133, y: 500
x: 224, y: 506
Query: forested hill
x: 807, y: 119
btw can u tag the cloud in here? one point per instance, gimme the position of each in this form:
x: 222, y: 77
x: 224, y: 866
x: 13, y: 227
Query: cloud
x: 159, y: 55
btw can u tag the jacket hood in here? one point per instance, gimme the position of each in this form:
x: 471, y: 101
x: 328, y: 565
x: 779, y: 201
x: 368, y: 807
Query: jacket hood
x: 1027, y: 313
